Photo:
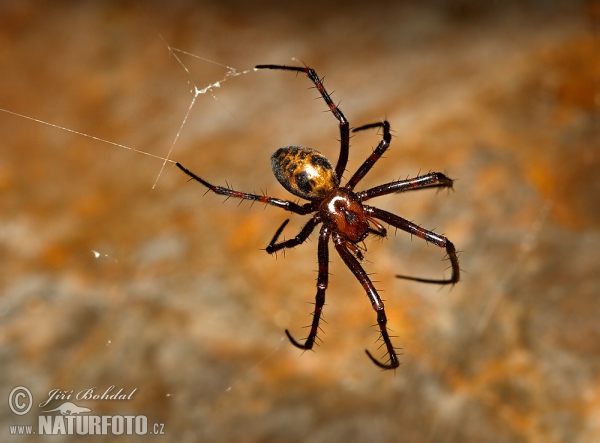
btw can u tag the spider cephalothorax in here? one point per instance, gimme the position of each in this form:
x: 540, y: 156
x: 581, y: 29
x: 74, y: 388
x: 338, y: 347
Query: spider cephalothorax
x: 308, y: 174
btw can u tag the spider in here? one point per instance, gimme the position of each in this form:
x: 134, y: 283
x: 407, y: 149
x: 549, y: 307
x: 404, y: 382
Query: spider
x: 345, y: 219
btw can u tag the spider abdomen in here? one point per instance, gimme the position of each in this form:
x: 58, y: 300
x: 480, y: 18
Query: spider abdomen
x: 304, y: 172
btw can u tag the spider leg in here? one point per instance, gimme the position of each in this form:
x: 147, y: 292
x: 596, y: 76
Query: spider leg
x: 431, y: 180
x: 375, y: 155
x: 284, y: 204
x: 337, y: 112
x: 429, y: 236
x: 354, y: 266
x: 322, y: 280
x: 293, y: 242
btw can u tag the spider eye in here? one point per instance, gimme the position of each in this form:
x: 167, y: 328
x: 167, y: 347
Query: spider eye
x: 304, y: 172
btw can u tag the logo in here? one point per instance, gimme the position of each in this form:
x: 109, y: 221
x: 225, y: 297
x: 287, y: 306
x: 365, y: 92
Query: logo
x: 70, y: 418
x: 69, y: 408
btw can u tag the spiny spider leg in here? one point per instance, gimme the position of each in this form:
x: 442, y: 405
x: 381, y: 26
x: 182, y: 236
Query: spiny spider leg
x: 292, y: 242
x: 307, y: 208
x: 429, y: 236
x: 342, y: 248
x: 382, y: 124
x: 337, y: 112
x: 277, y: 234
x: 322, y: 280
x: 431, y: 180
x: 375, y: 155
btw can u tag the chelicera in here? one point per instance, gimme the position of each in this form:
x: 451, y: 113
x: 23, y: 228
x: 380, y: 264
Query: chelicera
x: 341, y: 211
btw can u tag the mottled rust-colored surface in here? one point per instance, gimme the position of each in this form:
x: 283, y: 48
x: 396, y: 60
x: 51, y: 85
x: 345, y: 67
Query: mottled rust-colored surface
x: 183, y: 304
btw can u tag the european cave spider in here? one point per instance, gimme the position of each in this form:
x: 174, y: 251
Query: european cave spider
x: 308, y: 174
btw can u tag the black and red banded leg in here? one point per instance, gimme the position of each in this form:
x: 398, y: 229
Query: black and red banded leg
x: 384, y: 144
x: 430, y: 180
x: 292, y: 242
x: 431, y: 237
x: 376, y: 302
x: 322, y: 281
x: 284, y: 204
x: 337, y: 112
